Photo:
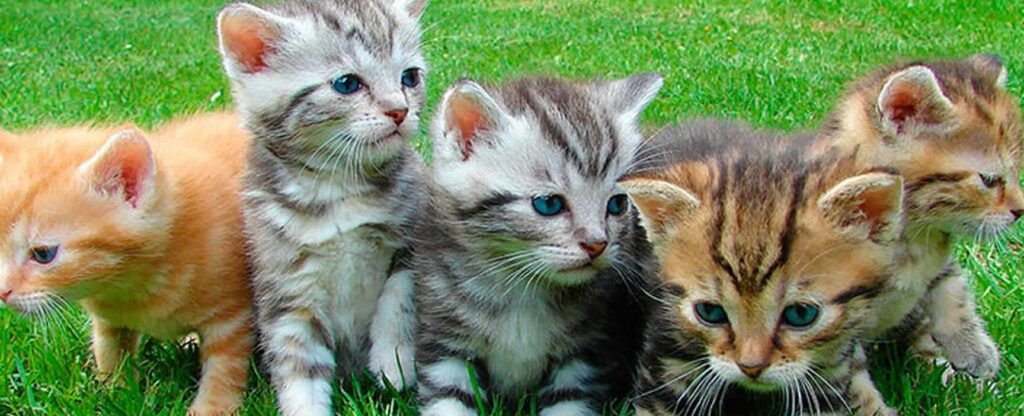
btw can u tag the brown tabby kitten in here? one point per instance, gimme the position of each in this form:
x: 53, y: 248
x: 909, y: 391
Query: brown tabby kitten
x: 954, y: 133
x: 769, y: 263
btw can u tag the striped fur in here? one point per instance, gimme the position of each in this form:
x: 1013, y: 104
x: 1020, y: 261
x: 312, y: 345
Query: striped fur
x: 742, y: 220
x: 319, y: 196
x: 148, y: 237
x: 954, y: 132
x: 511, y: 296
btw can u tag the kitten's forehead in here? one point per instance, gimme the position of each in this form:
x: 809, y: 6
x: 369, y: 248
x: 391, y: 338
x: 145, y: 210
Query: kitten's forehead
x: 362, y: 31
x: 578, y: 126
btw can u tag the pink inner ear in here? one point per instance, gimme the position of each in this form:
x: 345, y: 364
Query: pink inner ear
x: 902, y: 105
x: 245, y: 37
x: 125, y: 169
x: 874, y: 206
x: 466, y: 116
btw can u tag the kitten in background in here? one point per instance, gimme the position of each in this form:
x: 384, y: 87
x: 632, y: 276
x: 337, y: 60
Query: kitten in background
x: 529, y: 262
x: 331, y: 92
x: 144, y: 233
x: 954, y: 132
x: 769, y: 262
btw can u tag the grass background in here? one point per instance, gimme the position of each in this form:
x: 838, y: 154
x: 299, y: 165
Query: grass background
x: 775, y: 64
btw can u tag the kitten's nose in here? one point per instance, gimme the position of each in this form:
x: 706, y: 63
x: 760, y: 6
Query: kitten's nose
x: 752, y: 370
x: 5, y: 295
x: 1017, y: 213
x: 594, y: 249
x: 397, y: 114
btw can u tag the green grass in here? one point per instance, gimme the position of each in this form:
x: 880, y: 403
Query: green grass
x: 776, y: 65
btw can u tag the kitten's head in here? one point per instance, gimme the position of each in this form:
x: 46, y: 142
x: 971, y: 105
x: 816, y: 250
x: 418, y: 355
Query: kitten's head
x: 528, y: 171
x: 327, y: 83
x: 768, y: 264
x: 78, y: 205
x: 954, y: 132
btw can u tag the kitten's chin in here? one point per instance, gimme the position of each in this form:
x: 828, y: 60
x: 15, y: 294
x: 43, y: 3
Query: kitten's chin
x: 574, y: 276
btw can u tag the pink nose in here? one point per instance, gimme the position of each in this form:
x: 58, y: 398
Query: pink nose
x: 5, y: 295
x: 594, y: 249
x: 397, y: 114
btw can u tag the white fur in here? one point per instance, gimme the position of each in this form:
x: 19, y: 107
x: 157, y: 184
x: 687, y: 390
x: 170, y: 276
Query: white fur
x: 571, y: 408
x: 392, y: 333
x: 305, y: 398
x: 447, y: 407
x: 451, y: 372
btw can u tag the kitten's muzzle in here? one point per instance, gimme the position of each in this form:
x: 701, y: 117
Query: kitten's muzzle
x: 752, y: 370
x: 398, y: 115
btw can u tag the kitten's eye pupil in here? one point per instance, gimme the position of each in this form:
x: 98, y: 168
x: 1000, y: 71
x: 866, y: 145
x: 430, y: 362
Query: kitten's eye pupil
x: 800, y: 315
x: 347, y: 84
x: 617, y: 205
x: 710, y: 313
x: 43, y: 254
x: 411, y: 77
x: 990, y: 181
x: 549, y: 205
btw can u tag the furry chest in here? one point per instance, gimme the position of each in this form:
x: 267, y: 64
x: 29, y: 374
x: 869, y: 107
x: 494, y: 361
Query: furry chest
x: 521, y: 344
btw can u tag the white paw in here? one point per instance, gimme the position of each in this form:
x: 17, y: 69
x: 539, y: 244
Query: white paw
x: 397, y: 369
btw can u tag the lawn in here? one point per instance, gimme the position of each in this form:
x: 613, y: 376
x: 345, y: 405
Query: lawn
x: 773, y: 64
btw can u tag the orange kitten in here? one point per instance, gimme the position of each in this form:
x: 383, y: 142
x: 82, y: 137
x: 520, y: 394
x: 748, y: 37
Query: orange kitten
x: 145, y: 234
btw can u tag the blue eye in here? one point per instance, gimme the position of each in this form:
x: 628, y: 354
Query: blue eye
x: 347, y: 84
x: 617, y: 205
x: 549, y: 205
x: 711, y: 313
x: 44, y: 254
x: 411, y: 77
x: 800, y: 315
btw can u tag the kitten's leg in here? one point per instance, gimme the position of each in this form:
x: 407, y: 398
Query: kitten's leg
x: 224, y: 350
x: 297, y: 349
x: 110, y: 344
x: 864, y: 396
x: 392, y: 333
x: 957, y: 328
x: 445, y: 388
x: 570, y: 390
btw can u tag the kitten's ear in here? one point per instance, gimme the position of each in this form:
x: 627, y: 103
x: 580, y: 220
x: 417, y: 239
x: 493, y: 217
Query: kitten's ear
x: 660, y: 204
x: 123, y: 168
x: 629, y: 96
x: 992, y: 67
x: 467, y: 113
x: 913, y: 98
x: 868, y: 206
x: 413, y: 7
x: 247, y: 35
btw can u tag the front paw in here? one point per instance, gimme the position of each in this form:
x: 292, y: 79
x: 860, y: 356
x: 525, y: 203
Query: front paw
x: 395, y: 369
x: 979, y: 359
x: 880, y: 411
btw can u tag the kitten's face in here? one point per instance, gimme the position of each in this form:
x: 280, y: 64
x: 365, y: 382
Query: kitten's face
x: 763, y: 290
x: 332, y: 85
x: 67, y: 224
x: 530, y: 170
x: 957, y: 136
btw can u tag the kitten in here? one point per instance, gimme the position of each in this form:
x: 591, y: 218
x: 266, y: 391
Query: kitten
x: 768, y: 264
x: 954, y: 132
x: 523, y: 245
x: 146, y: 234
x: 332, y: 92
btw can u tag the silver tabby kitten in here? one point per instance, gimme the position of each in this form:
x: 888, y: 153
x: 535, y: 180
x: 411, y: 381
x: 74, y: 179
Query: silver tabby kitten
x: 332, y: 92
x: 522, y: 245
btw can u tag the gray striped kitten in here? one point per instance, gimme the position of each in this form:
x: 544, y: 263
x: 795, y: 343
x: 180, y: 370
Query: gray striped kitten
x: 523, y: 245
x: 332, y: 92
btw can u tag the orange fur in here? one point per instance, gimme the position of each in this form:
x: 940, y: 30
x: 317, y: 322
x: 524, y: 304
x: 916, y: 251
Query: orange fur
x: 162, y: 255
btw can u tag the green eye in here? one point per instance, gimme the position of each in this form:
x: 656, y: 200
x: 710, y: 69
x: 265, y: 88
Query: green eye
x: 800, y: 315
x: 710, y: 313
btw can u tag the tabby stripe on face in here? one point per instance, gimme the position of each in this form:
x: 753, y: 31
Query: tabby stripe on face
x: 274, y: 123
x: 719, y: 195
x: 786, y: 239
x: 937, y: 177
x: 867, y: 292
x: 490, y: 203
x: 555, y: 133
